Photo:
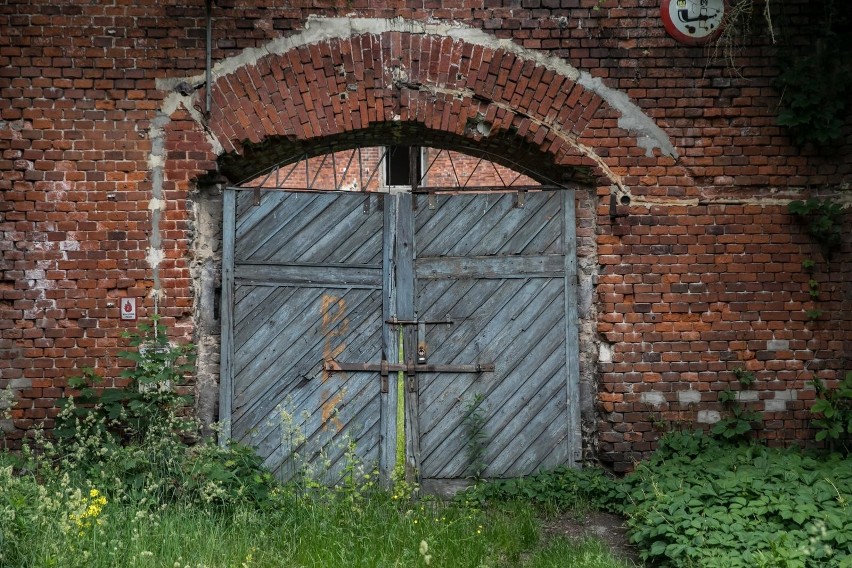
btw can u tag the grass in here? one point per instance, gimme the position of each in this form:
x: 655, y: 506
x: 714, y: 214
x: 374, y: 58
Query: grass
x: 315, y: 528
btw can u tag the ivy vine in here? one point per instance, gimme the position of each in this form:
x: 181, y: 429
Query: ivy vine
x: 816, y: 78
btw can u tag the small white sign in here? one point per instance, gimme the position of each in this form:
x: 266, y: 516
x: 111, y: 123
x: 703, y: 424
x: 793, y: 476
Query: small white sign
x: 128, y: 309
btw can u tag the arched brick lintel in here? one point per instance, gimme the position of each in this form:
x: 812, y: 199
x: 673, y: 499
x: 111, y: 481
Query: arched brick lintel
x: 346, y: 76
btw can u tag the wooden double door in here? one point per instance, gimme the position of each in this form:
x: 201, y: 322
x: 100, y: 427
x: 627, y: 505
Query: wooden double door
x: 355, y: 322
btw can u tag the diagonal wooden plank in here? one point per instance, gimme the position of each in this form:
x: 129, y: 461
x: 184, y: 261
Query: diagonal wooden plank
x: 430, y: 223
x: 522, y: 334
x: 289, y: 241
x: 300, y: 361
x: 467, y: 227
x: 292, y: 314
x: 546, y: 403
x: 256, y: 310
x: 298, y: 355
x: 501, y: 342
x: 542, y: 229
x: 269, y: 228
x: 339, y: 237
x: 504, y: 441
x: 439, y: 229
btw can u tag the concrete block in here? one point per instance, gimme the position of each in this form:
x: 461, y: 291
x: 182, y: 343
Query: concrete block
x: 747, y: 396
x: 775, y: 405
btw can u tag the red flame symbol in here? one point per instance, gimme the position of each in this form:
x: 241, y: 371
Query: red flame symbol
x: 128, y: 307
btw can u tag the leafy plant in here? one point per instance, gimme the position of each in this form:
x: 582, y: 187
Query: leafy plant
x: 562, y: 488
x: 701, y: 503
x: 814, y: 88
x: 133, y: 440
x: 832, y: 414
x: 814, y: 81
x: 740, y: 420
x: 745, y: 377
x: 474, y: 420
x: 128, y: 414
x: 813, y: 289
x: 823, y: 219
x: 813, y: 315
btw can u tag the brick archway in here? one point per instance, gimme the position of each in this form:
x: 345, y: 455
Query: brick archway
x: 343, y: 82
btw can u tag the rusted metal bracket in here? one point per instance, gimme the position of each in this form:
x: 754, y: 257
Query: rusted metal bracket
x: 385, y: 368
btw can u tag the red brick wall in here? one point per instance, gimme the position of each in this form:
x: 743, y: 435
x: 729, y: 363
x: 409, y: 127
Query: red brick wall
x: 98, y: 156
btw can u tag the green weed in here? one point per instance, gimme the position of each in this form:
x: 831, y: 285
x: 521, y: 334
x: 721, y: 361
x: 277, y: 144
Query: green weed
x: 701, y: 503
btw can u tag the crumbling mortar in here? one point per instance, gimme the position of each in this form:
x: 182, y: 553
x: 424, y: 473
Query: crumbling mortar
x: 205, y: 272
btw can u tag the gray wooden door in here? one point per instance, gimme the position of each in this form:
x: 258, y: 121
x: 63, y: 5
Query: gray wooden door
x: 306, y: 287
x: 503, y: 274
x: 471, y: 279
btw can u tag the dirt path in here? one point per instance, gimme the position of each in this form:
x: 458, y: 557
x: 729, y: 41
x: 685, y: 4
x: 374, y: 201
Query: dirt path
x: 604, y: 526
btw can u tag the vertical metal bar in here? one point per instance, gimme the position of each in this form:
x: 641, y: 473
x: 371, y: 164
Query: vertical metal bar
x: 208, y: 60
x: 390, y: 345
x: 572, y: 339
x: 334, y: 171
x: 404, y: 253
x: 289, y: 173
x: 226, y: 377
x: 361, y: 169
x: 413, y: 171
x: 432, y: 163
x: 378, y: 166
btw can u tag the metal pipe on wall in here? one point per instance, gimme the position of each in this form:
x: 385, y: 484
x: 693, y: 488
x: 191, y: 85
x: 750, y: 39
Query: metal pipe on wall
x: 208, y: 64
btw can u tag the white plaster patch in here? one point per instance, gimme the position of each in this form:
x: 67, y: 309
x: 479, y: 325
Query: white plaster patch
x: 157, y: 204
x: 653, y: 398
x: 604, y: 353
x: 708, y: 416
x: 154, y: 257
x: 69, y: 245
x: 689, y: 397
x: 351, y: 186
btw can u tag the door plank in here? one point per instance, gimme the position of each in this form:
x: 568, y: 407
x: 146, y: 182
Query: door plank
x: 479, y: 267
x: 313, y: 275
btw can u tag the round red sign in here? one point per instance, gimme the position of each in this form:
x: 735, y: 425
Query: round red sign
x: 693, y: 22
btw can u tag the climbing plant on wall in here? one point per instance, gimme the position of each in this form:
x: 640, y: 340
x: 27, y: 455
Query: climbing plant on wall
x: 814, y: 59
x: 816, y: 75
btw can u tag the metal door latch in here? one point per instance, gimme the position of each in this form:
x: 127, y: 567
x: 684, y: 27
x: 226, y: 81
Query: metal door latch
x: 385, y: 368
